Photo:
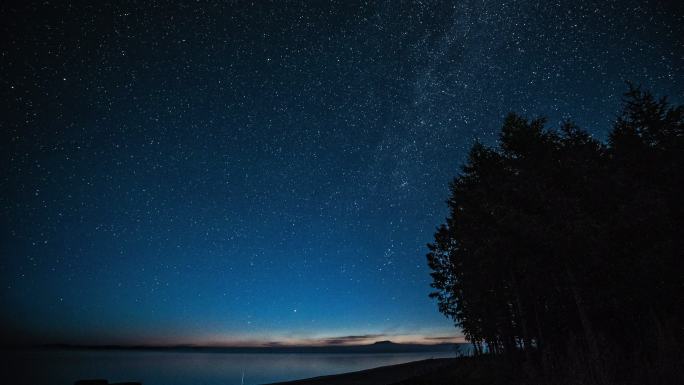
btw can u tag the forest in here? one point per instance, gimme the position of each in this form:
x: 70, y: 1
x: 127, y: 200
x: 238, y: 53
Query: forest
x: 562, y: 254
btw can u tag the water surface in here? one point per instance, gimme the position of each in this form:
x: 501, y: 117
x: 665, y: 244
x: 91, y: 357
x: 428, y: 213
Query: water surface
x: 56, y: 367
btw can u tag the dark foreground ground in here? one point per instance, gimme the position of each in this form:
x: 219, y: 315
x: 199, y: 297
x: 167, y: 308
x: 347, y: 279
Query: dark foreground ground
x: 490, y: 370
x: 464, y: 370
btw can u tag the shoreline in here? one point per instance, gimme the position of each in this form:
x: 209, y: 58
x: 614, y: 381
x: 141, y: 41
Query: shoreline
x: 390, y: 374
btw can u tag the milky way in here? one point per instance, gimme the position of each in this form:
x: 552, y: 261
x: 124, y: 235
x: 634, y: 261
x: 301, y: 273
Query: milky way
x: 255, y: 172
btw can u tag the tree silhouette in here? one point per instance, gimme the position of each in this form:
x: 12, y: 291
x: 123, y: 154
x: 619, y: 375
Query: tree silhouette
x: 568, y: 250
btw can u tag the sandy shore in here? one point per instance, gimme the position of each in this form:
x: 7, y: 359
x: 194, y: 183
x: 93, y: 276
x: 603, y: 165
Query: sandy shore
x: 382, y: 375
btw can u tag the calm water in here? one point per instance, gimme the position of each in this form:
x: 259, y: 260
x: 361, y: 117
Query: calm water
x: 188, y: 368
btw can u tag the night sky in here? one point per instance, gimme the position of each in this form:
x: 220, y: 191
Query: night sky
x: 248, y: 173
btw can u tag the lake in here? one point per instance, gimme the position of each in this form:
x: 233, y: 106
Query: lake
x: 57, y: 367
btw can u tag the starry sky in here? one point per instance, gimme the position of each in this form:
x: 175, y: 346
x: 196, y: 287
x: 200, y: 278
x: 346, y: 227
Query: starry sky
x: 270, y: 171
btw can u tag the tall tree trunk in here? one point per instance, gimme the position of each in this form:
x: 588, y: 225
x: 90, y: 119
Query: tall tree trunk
x: 527, y: 342
x: 588, y: 330
x: 540, y: 332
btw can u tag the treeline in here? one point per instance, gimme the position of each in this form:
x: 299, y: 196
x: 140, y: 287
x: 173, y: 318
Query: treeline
x: 564, y: 253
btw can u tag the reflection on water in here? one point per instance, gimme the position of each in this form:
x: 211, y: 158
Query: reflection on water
x: 51, y: 367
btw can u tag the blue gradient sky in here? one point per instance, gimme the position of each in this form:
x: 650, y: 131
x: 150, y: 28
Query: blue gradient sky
x: 236, y: 173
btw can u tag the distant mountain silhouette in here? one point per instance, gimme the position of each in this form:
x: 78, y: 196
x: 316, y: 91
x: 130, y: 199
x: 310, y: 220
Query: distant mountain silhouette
x: 377, y: 347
